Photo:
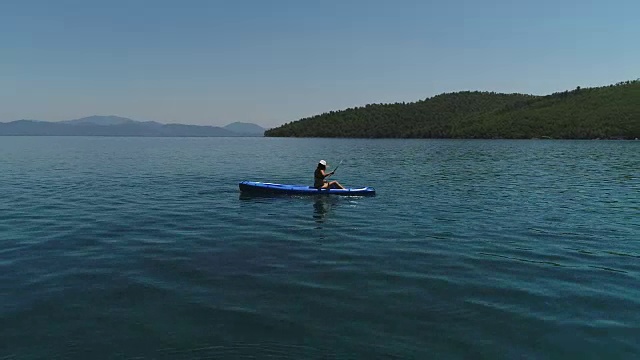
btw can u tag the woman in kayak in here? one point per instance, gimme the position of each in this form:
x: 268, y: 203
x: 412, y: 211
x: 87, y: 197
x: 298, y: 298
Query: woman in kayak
x: 319, y: 176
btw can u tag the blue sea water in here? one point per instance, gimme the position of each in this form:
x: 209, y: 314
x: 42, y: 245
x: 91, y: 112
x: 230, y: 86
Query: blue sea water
x: 143, y: 248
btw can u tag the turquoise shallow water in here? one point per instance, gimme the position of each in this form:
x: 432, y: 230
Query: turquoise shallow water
x: 115, y: 248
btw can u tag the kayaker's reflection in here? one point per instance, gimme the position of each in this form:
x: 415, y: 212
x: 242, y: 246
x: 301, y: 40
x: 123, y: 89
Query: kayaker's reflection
x: 322, y: 207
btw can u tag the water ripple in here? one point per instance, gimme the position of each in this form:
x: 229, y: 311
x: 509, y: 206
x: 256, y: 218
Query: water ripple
x: 144, y: 249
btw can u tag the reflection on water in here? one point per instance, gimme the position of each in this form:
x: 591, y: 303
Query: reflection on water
x: 322, y: 207
x: 322, y: 204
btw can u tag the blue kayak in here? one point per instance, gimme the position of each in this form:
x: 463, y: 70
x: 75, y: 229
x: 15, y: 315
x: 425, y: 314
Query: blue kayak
x: 257, y: 187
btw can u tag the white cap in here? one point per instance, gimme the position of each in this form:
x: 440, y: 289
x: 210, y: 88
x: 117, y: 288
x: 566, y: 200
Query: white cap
x: 322, y: 162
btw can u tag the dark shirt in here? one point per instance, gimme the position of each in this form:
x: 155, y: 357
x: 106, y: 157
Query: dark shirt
x: 318, y: 178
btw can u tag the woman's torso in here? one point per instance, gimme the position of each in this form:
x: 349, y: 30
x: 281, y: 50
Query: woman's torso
x: 318, y: 178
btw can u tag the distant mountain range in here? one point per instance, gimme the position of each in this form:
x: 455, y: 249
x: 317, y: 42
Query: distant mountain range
x: 120, y: 126
x: 245, y: 128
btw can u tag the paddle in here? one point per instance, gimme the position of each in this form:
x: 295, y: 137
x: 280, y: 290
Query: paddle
x: 334, y: 170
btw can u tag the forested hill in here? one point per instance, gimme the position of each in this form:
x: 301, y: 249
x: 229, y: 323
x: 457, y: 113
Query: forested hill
x: 606, y: 112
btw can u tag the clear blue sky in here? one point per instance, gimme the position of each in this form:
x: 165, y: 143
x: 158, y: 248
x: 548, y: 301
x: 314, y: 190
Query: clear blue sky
x: 271, y: 62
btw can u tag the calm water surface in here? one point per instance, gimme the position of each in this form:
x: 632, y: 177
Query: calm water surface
x: 114, y: 248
